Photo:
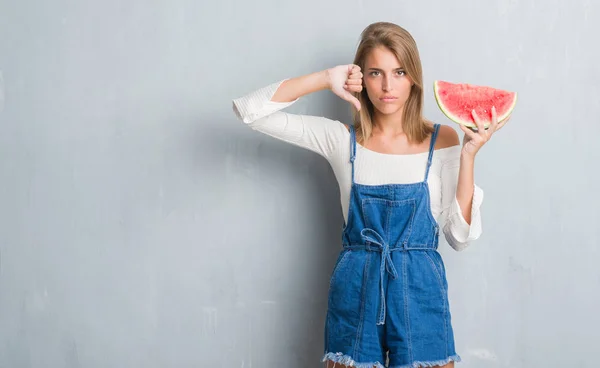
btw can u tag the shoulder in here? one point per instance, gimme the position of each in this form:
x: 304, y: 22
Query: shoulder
x: 447, y: 137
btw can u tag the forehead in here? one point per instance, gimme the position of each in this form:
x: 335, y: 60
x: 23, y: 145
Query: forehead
x: 382, y: 58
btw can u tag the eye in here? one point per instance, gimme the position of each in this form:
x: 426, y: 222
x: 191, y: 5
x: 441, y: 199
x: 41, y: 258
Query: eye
x: 401, y: 72
x: 373, y: 73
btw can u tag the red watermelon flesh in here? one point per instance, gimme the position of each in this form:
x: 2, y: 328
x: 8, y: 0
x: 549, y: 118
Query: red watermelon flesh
x: 457, y: 100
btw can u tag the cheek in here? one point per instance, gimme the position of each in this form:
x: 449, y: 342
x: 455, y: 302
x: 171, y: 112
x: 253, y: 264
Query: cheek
x: 369, y: 87
x: 405, y: 86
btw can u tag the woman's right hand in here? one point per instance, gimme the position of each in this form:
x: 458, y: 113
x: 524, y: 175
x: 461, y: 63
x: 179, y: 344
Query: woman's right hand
x: 345, y: 79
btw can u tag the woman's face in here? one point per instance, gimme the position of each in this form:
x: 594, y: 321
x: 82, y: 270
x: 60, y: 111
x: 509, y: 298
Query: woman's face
x: 386, y: 82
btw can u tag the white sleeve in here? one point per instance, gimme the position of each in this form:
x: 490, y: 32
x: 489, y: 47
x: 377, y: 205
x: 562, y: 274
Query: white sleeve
x: 457, y: 231
x: 315, y: 133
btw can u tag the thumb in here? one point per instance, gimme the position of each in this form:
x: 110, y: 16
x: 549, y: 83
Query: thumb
x: 353, y: 100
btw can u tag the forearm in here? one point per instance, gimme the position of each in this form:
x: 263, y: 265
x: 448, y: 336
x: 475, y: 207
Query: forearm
x: 297, y: 87
x: 465, y: 186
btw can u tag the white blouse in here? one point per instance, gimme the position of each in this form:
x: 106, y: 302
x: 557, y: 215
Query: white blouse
x: 331, y: 139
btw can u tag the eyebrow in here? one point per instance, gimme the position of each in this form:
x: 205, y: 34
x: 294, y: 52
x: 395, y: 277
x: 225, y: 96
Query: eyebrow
x: 380, y: 70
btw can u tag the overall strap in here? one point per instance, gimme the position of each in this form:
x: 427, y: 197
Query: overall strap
x: 431, y: 148
x: 352, y: 149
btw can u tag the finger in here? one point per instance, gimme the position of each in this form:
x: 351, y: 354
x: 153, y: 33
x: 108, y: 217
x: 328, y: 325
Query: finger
x: 468, y: 132
x: 355, y: 77
x: 494, y: 124
x: 478, y: 122
x: 354, y: 81
x: 352, y: 85
x: 354, y: 88
x: 503, y: 122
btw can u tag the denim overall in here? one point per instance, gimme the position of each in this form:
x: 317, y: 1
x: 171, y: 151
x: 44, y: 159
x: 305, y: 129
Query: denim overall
x: 388, y: 301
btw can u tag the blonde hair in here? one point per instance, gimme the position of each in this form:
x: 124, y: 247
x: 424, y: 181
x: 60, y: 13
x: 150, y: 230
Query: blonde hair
x: 400, y: 42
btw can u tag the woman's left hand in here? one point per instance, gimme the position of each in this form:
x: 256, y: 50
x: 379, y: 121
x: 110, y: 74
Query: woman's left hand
x: 474, y: 140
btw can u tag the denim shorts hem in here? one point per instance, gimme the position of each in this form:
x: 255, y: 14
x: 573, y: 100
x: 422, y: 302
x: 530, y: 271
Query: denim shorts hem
x: 349, y: 362
x: 435, y: 363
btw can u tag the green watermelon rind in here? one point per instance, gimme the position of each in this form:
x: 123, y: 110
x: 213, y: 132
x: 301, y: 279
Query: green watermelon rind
x: 455, y: 119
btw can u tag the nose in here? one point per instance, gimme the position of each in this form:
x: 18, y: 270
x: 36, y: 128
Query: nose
x: 386, y: 84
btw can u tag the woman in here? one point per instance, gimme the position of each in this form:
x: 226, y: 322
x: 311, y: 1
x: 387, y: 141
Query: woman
x: 399, y: 175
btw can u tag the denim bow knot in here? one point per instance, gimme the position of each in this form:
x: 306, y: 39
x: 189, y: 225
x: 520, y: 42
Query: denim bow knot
x: 373, y: 237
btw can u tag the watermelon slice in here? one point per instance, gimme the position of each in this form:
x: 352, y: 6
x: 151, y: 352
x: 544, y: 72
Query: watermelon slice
x: 457, y: 100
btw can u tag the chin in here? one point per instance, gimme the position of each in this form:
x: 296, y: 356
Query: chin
x: 389, y: 109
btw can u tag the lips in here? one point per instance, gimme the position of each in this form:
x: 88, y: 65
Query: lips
x: 388, y: 98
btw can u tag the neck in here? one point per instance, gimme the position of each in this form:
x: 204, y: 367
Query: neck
x: 388, y: 125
